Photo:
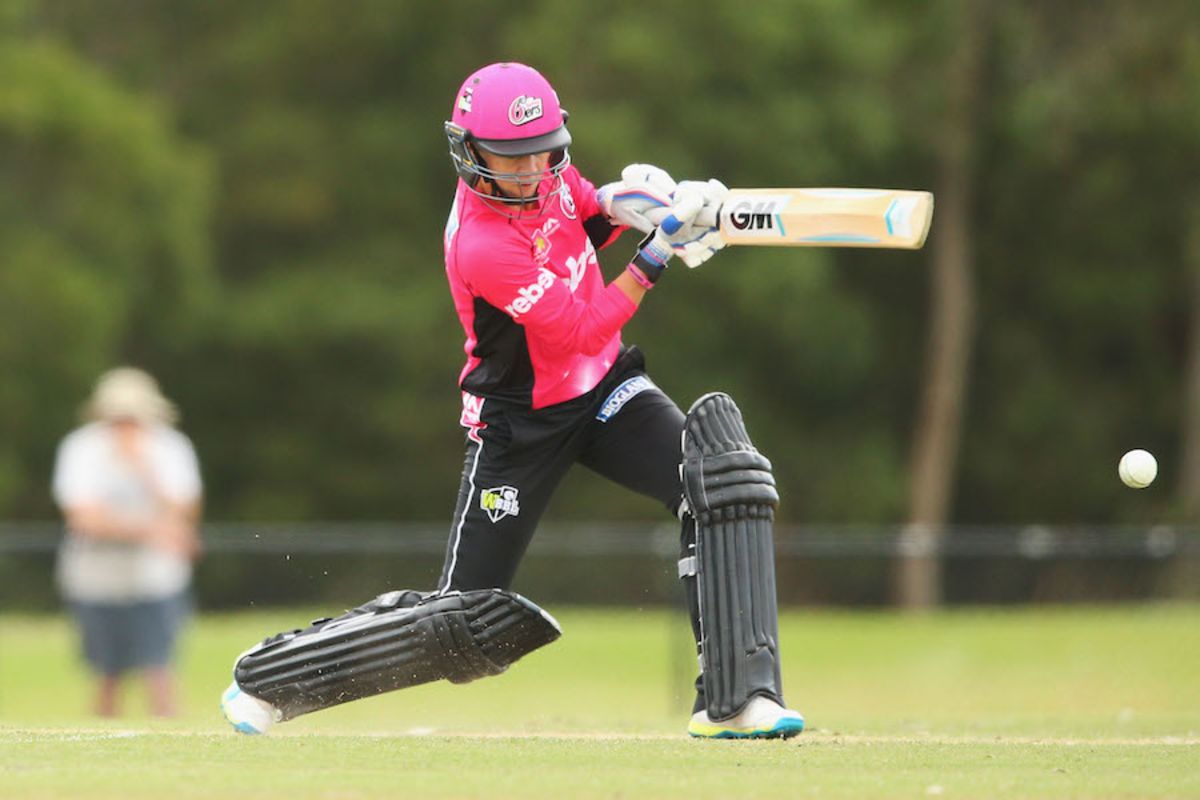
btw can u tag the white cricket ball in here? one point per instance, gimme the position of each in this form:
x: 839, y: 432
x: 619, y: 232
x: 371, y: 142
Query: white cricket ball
x: 1137, y: 469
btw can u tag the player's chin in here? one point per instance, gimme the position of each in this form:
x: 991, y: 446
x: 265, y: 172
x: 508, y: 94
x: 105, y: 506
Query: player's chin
x: 519, y: 192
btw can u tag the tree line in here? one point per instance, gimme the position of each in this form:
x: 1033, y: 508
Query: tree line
x: 247, y: 200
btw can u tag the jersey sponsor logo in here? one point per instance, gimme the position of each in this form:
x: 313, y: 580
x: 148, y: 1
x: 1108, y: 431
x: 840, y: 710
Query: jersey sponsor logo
x: 527, y: 296
x: 525, y: 108
x: 578, y: 266
x: 623, y: 394
x: 500, y: 502
x: 566, y: 201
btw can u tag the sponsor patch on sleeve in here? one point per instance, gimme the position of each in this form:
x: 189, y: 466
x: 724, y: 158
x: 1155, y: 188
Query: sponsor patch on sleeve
x: 621, y: 395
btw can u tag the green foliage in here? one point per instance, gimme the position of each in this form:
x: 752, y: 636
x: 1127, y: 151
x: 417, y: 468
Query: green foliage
x: 248, y: 199
x: 103, y: 216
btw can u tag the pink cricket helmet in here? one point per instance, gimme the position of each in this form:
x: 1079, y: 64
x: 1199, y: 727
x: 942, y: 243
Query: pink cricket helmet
x: 511, y: 110
x: 507, y: 109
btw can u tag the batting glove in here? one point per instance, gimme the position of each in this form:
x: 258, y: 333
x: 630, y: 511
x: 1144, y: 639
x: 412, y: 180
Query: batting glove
x: 675, y: 232
x: 698, y: 241
x: 643, y: 188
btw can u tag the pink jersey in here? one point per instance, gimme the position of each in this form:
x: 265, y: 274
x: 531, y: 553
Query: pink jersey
x: 541, y: 326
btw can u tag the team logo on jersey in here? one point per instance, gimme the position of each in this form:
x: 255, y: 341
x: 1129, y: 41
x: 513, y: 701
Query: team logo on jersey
x: 500, y: 502
x: 622, y: 395
x: 541, y: 247
x: 541, y: 240
x: 525, y: 109
x: 464, y: 100
x: 567, y: 201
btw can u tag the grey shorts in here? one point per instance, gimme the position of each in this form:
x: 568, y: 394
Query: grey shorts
x: 125, y: 636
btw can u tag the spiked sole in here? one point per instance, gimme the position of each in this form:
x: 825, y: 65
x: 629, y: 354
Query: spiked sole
x: 783, y: 729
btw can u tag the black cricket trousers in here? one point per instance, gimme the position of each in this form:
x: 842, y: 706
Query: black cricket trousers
x: 625, y: 429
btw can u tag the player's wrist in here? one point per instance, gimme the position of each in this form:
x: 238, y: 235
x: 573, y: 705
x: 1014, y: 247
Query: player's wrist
x: 652, y: 256
x: 639, y: 276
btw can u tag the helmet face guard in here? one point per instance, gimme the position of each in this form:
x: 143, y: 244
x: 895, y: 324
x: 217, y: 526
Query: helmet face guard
x: 509, y: 110
x: 469, y: 156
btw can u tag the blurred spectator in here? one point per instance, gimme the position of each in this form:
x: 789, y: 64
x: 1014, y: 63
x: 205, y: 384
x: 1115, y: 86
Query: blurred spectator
x: 128, y: 484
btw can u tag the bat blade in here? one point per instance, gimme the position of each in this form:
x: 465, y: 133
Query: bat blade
x: 893, y: 218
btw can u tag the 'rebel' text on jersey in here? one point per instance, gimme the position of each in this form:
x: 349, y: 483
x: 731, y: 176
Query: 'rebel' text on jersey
x: 541, y: 327
x: 531, y: 294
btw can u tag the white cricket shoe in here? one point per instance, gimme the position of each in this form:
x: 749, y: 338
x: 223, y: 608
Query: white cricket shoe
x: 246, y: 713
x: 762, y: 718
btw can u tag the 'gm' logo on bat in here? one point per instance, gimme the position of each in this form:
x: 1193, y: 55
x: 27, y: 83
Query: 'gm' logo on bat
x: 747, y: 216
x: 756, y: 214
x: 500, y: 502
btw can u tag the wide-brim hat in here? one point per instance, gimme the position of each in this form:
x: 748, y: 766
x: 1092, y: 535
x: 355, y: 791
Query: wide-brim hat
x: 129, y: 393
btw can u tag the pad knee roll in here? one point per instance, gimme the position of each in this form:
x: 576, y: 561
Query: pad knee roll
x: 730, y: 489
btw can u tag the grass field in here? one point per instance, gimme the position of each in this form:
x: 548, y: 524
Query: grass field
x: 1026, y: 703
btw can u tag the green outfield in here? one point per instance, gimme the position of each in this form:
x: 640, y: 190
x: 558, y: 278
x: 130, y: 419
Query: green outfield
x: 1027, y: 703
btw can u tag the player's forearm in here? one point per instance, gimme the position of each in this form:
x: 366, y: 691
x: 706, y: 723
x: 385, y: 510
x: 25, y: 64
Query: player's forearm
x: 581, y: 327
x: 603, y: 318
x: 631, y: 287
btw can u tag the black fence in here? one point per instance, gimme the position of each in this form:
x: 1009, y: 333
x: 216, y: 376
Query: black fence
x: 341, y: 564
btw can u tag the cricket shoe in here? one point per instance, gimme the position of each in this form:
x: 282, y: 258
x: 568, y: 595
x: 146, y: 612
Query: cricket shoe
x: 762, y: 718
x: 246, y: 713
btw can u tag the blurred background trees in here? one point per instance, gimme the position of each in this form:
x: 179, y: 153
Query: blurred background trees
x: 247, y: 199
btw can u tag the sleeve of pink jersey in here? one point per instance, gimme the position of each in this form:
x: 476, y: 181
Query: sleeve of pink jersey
x: 507, y: 277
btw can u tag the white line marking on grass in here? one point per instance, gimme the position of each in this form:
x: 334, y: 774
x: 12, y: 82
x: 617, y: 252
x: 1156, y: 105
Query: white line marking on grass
x: 67, y: 734
x: 827, y: 737
x: 87, y: 737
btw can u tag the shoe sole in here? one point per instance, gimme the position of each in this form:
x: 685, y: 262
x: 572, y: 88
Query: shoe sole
x: 783, y: 729
x: 240, y: 727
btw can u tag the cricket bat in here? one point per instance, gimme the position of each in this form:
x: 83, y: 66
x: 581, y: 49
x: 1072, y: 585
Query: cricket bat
x: 826, y: 217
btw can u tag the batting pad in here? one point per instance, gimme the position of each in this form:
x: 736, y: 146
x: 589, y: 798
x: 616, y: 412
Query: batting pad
x: 400, y: 639
x: 730, y: 490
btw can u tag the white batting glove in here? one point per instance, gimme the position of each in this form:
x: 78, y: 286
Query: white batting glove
x: 675, y: 231
x: 699, y: 240
x: 701, y: 249
x: 715, y: 194
x: 643, y: 188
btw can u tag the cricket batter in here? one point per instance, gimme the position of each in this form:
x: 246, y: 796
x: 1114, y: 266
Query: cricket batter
x: 548, y: 383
